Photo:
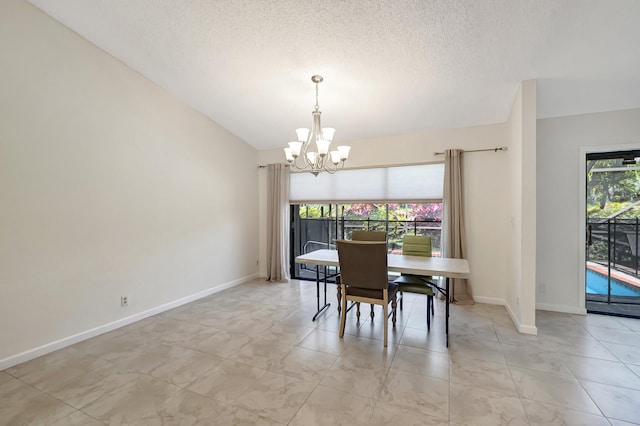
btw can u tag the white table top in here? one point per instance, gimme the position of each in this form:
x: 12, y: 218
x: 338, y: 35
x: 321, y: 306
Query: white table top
x: 416, y: 265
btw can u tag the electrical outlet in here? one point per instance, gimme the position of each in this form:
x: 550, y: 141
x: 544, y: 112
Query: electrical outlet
x: 124, y: 301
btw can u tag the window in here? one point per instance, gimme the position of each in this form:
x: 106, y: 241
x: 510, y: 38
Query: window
x: 397, y: 200
x: 316, y: 226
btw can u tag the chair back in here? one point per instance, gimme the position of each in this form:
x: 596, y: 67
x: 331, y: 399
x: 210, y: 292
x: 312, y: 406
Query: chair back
x: 368, y: 236
x: 416, y: 245
x: 363, y: 264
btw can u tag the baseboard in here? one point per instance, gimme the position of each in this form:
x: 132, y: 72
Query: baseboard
x: 490, y: 300
x: 524, y: 329
x: 561, y: 308
x: 67, y: 341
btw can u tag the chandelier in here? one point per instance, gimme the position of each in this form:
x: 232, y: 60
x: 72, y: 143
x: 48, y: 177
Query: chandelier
x: 311, y: 151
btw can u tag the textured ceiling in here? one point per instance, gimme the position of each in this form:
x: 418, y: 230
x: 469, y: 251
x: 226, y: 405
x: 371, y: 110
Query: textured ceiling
x: 389, y: 66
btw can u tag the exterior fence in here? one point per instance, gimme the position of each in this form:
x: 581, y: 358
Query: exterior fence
x: 309, y: 234
x: 614, y: 241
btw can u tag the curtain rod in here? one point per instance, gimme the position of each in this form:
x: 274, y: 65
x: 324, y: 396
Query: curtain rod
x: 499, y: 148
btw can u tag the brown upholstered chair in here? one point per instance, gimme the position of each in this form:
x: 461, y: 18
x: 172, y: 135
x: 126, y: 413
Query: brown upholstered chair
x: 367, y: 236
x: 363, y: 271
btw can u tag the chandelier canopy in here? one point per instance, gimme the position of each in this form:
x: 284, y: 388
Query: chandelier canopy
x: 311, y: 151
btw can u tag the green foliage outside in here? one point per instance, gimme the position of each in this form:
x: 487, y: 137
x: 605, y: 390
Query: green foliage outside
x: 610, y: 192
x: 373, y: 217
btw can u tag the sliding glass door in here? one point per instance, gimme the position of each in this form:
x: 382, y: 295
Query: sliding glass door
x: 318, y: 226
x: 613, y: 230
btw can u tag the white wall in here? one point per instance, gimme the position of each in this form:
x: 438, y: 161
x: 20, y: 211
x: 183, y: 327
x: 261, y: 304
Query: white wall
x: 522, y: 176
x: 560, y: 230
x: 486, y: 192
x: 109, y: 186
x: 515, y: 207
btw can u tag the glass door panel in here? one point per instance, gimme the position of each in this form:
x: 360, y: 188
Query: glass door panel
x: 613, y: 213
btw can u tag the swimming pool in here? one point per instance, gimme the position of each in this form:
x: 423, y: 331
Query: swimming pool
x: 597, y: 284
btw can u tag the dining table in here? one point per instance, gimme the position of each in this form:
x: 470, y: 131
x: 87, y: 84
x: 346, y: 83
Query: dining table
x: 447, y: 268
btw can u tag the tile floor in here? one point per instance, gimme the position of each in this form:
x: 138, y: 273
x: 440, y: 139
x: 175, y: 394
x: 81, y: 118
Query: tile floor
x: 252, y: 356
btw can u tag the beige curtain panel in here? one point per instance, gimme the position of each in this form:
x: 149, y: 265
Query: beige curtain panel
x: 277, y: 222
x: 453, y: 233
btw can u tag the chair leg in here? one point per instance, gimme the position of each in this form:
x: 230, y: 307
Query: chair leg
x: 433, y: 312
x: 385, y: 311
x: 343, y: 314
x: 358, y: 310
x: 401, y: 297
x: 394, y: 304
x: 339, y: 286
x: 371, y: 312
x: 429, y: 304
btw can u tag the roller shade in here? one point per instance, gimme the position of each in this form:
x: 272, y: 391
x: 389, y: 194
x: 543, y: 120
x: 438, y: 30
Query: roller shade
x: 402, y: 183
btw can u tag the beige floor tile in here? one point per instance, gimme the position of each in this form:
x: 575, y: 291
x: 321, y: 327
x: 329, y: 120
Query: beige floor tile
x: 55, y: 369
x: 132, y: 402
x: 386, y: 414
x: 551, y: 415
x: 434, y: 340
x: 615, y: 402
x: 615, y: 422
x: 77, y: 418
x: 178, y: 367
x: 482, y: 374
x: 634, y: 368
x: 305, y: 364
x: 375, y: 330
x: 463, y: 348
x: 569, y: 328
x: 631, y: 323
x: 21, y: 404
x: 602, y: 371
x: 171, y: 331
x: 625, y: 353
x: 596, y: 320
x: 329, y: 407
x: 227, y: 381
x: 183, y: 369
x: 275, y: 396
x: 148, y: 357
x: 532, y: 358
x: 325, y: 341
x: 234, y: 416
x: 262, y: 353
x: 589, y: 347
x: 363, y: 379
x: 476, y: 406
x: 427, y: 395
x: 362, y: 351
x: 563, y: 391
x: 185, y: 408
x: 615, y: 335
x: 423, y: 362
x: 289, y: 335
x: 331, y: 322
x: 94, y: 385
x: 222, y: 344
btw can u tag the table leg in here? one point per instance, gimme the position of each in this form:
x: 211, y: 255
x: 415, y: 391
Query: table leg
x: 446, y: 289
x: 326, y: 305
